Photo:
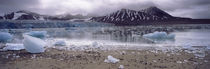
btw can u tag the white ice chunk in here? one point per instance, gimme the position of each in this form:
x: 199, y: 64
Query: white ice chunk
x: 179, y: 62
x: 60, y: 43
x: 33, y: 45
x: 38, y: 34
x: 111, y: 59
x: 5, y: 37
x: 95, y: 44
x: 12, y: 46
x: 159, y: 36
x: 121, y: 67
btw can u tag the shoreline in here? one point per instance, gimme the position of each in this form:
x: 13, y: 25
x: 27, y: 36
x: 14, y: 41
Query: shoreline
x: 89, y: 59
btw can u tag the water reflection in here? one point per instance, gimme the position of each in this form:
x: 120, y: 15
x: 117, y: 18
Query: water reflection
x: 125, y: 34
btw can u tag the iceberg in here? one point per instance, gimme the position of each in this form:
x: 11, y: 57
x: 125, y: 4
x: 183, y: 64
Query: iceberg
x: 60, y: 43
x: 12, y: 46
x: 159, y: 36
x: 111, y: 59
x: 96, y: 45
x: 33, y: 44
x: 5, y: 37
x: 38, y: 34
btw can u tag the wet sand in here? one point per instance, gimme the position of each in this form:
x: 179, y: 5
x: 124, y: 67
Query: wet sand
x: 130, y: 59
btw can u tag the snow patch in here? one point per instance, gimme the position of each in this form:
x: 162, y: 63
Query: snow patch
x: 41, y: 18
x: 111, y: 59
x: 33, y: 45
x: 17, y: 15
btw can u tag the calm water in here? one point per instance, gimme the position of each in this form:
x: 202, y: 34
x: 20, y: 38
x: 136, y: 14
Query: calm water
x: 193, y: 35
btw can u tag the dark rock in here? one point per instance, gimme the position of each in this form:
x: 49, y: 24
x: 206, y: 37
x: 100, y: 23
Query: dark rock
x: 1, y: 17
x: 26, y: 17
x: 157, y: 12
x: 9, y: 16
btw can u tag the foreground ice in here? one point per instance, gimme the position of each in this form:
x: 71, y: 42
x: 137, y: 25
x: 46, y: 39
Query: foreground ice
x: 111, y: 59
x: 121, y: 67
x: 198, y: 51
x: 159, y: 36
x: 12, y: 46
x: 33, y: 45
x: 38, y: 34
x: 5, y: 37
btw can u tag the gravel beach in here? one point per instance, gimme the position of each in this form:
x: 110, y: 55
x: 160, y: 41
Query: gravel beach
x: 129, y: 59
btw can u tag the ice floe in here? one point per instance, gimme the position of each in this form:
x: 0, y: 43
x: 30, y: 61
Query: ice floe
x: 38, y: 34
x: 12, y: 46
x: 159, y: 36
x: 33, y: 45
x: 111, y: 59
x: 5, y: 37
x: 60, y: 43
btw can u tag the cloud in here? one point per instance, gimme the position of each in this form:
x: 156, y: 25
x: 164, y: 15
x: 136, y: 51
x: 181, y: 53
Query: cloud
x: 7, y: 6
x: 182, y: 8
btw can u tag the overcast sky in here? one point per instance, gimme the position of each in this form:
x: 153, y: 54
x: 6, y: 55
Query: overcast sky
x: 182, y: 8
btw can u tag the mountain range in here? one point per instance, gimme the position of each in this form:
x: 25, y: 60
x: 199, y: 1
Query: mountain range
x: 123, y: 16
x: 27, y: 15
x: 150, y: 14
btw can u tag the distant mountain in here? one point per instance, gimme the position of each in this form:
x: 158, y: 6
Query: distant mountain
x: 23, y: 15
x: 131, y: 16
x: 27, y: 15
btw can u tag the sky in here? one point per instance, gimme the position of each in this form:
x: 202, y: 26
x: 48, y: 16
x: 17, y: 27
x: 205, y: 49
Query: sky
x: 182, y: 8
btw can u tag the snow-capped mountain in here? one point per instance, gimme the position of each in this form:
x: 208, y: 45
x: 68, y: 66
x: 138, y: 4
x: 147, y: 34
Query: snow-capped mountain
x: 23, y: 15
x: 27, y: 15
x: 157, y: 12
x: 132, y: 16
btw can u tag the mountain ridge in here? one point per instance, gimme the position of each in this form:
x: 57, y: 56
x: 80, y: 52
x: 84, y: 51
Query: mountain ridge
x: 150, y: 14
x: 28, y: 15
